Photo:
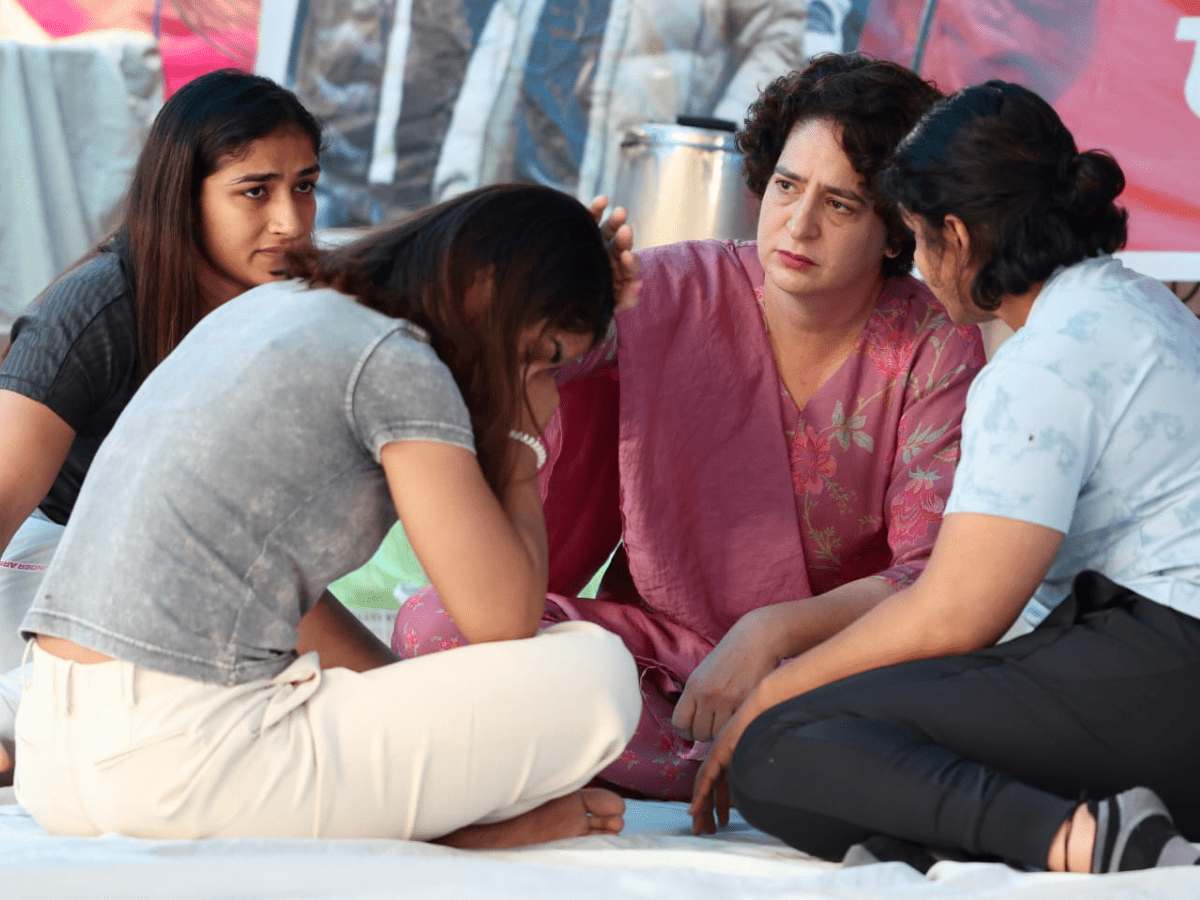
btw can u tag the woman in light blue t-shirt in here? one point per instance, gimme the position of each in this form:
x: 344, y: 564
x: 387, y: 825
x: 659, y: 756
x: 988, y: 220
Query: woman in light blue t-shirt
x: 1076, y: 499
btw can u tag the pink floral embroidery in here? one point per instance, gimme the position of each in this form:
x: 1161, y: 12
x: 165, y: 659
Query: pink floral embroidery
x: 812, y: 461
x: 412, y: 643
x: 670, y: 770
x: 873, y: 450
x: 918, y: 507
x: 889, y: 345
x: 413, y: 638
x: 628, y: 759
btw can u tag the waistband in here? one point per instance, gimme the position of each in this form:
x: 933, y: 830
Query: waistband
x: 72, y: 683
x: 77, y: 683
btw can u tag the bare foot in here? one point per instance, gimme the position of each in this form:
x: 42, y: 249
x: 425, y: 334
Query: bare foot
x: 1082, y: 842
x: 6, y: 766
x: 1073, y: 843
x: 588, y: 811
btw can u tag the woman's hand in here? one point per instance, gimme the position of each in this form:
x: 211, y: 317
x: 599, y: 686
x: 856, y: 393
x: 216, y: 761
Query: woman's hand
x: 982, y: 571
x: 485, y: 555
x: 618, y: 235
x: 720, y: 684
x: 710, y: 792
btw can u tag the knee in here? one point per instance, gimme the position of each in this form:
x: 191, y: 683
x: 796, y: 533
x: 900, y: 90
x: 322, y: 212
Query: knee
x: 777, y: 769
x: 423, y: 626
x: 756, y: 767
x: 601, y: 668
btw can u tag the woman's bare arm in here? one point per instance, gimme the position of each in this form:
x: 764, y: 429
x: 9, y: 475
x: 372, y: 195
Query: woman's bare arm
x: 983, y: 570
x: 34, y: 443
x: 341, y: 640
x: 485, y: 556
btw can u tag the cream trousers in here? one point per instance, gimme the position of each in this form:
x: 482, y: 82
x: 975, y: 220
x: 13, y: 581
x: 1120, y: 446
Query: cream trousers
x: 414, y: 750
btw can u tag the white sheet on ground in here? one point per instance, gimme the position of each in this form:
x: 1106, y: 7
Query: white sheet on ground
x: 656, y: 857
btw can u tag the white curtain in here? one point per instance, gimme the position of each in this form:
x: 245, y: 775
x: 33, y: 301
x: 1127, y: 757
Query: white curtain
x: 74, y: 113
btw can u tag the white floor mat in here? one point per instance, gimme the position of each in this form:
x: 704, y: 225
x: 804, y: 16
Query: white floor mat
x: 656, y: 858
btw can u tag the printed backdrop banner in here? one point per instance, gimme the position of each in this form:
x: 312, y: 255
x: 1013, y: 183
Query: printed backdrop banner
x: 194, y: 36
x: 1123, y: 74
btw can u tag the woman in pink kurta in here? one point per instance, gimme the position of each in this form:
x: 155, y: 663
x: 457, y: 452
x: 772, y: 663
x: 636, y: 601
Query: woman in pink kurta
x: 751, y: 526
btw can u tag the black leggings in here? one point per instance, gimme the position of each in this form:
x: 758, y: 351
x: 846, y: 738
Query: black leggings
x: 987, y: 753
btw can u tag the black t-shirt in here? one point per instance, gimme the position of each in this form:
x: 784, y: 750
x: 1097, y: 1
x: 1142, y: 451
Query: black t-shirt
x: 75, y: 351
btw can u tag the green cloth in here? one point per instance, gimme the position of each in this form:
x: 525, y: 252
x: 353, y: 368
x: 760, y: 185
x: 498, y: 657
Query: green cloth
x: 394, y: 569
x: 374, y: 586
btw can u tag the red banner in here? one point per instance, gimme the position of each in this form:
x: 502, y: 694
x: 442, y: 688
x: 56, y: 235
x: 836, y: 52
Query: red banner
x: 1123, y: 74
x: 194, y: 37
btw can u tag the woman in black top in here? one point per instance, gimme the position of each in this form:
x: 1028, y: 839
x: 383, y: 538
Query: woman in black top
x: 222, y: 189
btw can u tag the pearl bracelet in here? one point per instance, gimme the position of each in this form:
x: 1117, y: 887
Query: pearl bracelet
x: 533, y: 443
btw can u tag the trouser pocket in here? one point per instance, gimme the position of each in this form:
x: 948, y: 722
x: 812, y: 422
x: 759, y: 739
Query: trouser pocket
x: 44, y: 780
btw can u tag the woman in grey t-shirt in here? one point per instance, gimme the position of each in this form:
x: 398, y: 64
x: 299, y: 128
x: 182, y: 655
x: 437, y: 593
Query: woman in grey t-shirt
x: 408, y: 373
x: 223, y: 185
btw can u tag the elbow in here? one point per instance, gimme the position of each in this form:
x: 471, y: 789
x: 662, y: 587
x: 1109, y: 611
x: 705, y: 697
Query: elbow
x: 949, y: 639
x: 515, y: 616
x: 491, y: 633
x: 527, y: 606
x: 951, y: 633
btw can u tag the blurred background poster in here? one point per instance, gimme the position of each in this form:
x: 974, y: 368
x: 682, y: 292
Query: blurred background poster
x: 193, y: 36
x: 426, y: 98
x: 1123, y: 74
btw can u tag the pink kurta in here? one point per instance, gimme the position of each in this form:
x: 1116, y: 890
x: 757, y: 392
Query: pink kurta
x: 727, y: 497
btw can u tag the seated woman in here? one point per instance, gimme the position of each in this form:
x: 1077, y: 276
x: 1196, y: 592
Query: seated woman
x: 223, y: 187
x: 265, y: 457
x: 785, y: 434
x: 1076, y: 498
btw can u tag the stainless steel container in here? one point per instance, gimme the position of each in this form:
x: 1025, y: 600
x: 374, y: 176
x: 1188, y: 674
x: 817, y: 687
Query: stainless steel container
x: 683, y: 182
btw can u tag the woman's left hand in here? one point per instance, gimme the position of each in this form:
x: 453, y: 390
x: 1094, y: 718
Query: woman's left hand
x: 618, y: 236
x: 724, y: 679
x: 710, y: 792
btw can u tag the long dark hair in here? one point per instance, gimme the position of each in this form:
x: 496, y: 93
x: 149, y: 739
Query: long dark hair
x: 542, y: 255
x: 160, y: 241
x: 998, y: 157
x: 873, y: 102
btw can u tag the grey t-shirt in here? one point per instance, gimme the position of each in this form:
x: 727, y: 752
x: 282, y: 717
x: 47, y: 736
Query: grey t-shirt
x: 243, y: 478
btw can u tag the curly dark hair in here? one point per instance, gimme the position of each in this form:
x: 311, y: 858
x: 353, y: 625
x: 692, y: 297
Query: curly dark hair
x: 873, y: 102
x: 998, y: 157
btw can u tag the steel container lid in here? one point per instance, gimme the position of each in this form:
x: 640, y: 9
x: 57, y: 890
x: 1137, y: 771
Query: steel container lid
x: 687, y: 131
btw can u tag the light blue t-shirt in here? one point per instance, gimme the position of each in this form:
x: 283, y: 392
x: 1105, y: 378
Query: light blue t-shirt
x: 1087, y: 421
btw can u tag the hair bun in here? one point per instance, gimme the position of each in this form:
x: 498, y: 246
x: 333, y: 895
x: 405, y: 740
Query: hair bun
x: 1093, y: 180
x: 1090, y: 182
